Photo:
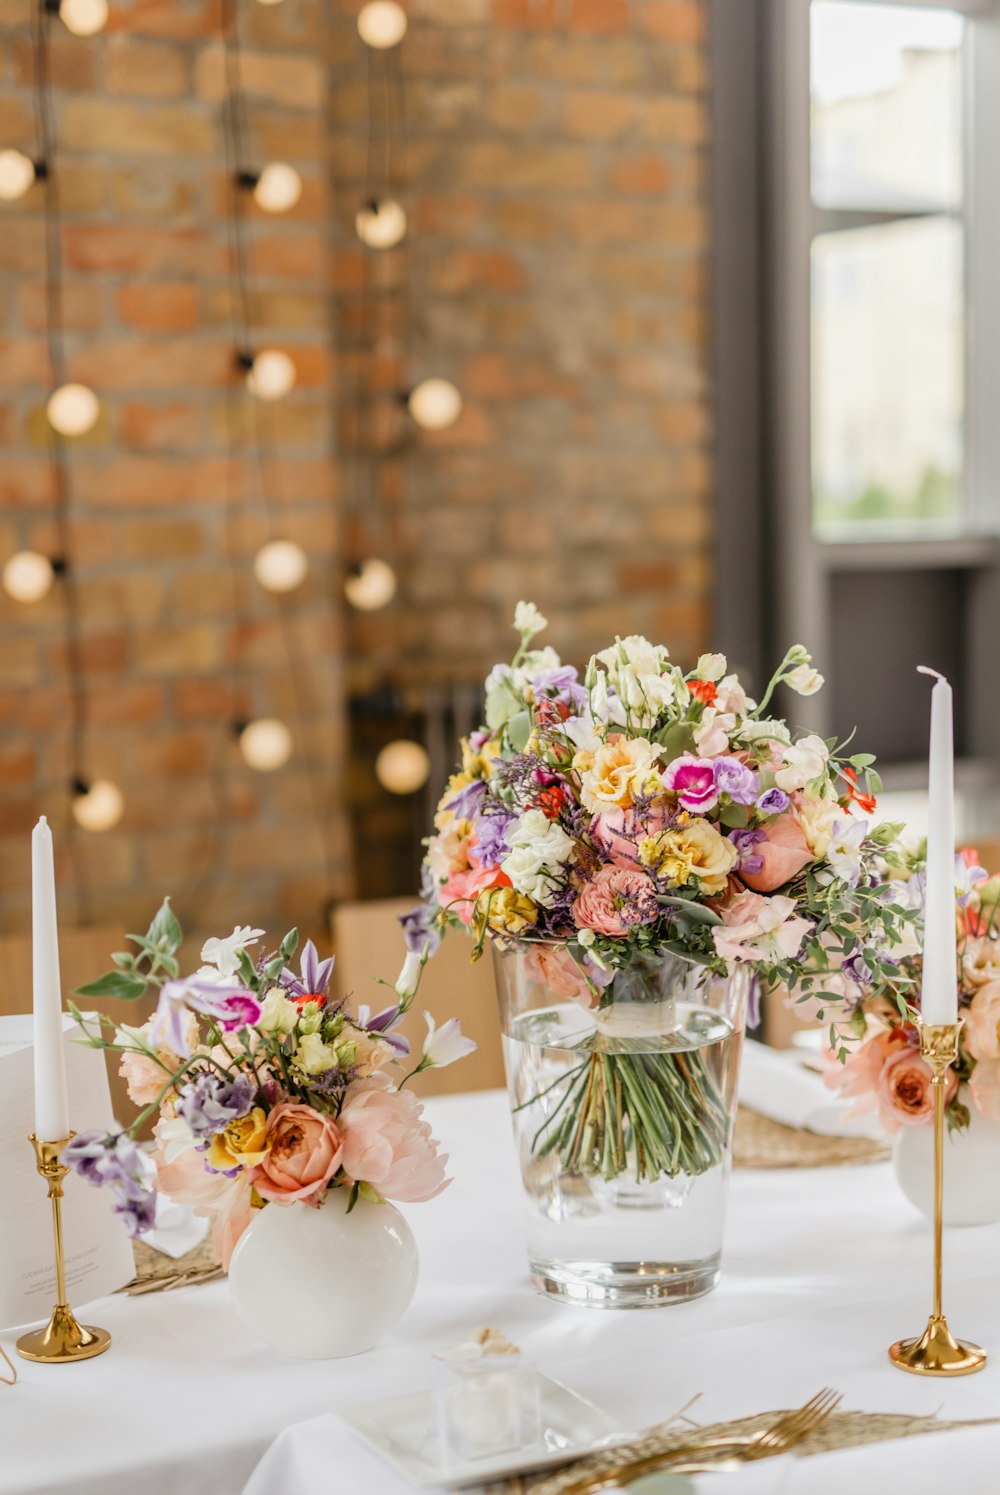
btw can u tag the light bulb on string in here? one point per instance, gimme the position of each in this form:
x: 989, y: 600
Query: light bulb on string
x: 276, y: 187
x: 73, y: 409
x: 382, y: 24
x: 270, y: 373
x: 28, y: 575
x: 280, y: 565
x: 403, y: 766
x: 97, y: 806
x: 82, y: 17
x: 434, y: 404
x: 370, y: 584
x: 17, y: 173
x: 265, y: 743
x: 381, y: 224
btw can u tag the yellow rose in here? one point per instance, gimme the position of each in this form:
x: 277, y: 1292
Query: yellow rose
x: 241, y: 1145
x: 278, y: 1014
x: 694, y: 851
x: 505, y: 910
x: 622, y: 771
x: 817, y: 818
x: 314, y: 1056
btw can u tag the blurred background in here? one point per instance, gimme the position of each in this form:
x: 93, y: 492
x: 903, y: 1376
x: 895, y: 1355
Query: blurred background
x: 363, y: 322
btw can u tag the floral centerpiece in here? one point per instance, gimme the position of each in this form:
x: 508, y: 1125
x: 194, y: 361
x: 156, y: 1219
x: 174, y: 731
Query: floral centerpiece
x: 885, y: 1073
x: 648, y: 818
x: 266, y: 1091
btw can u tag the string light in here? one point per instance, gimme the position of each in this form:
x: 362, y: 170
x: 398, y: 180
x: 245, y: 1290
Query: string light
x: 402, y: 766
x: 270, y: 374
x: 435, y: 404
x: 17, y: 173
x: 82, y: 17
x: 28, y: 576
x: 73, y: 410
x: 98, y: 806
x: 269, y: 2
x: 381, y: 225
x: 382, y: 24
x: 370, y: 584
x: 280, y: 565
x: 266, y: 744
x: 277, y: 188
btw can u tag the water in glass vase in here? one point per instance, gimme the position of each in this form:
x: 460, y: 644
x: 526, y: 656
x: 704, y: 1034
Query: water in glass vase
x: 623, y: 1122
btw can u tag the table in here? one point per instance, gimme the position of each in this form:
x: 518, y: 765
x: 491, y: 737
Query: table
x: 823, y: 1269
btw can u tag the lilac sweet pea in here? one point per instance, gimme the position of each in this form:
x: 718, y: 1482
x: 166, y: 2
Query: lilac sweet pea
x: 466, y: 804
x: 210, y: 1103
x: 119, y: 1164
x: 734, y: 778
x: 773, y: 802
x: 746, y: 843
x: 314, y: 974
x: 420, y: 929
x: 226, y: 1002
x: 561, y: 684
x: 693, y: 781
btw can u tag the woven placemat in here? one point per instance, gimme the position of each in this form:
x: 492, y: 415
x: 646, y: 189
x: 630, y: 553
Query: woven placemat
x: 762, y: 1143
x: 840, y: 1430
x: 157, y: 1273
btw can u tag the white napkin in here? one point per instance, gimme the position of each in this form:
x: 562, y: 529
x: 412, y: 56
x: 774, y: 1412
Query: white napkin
x: 778, y: 1084
x: 178, y: 1229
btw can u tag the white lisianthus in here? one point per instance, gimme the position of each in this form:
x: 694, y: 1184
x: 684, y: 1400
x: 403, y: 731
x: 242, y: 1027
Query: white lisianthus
x: 537, y: 846
x: 408, y: 979
x: 769, y: 727
x: 445, y: 1044
x: 225, y: 954
x: 277, y: 1014
x: 710, y: 666
x: 528, y: 620
x: 640, y: 675
x: 844, y: 850
x: 314, y: 1056
x: 804, y: 680
x: 805, y: 760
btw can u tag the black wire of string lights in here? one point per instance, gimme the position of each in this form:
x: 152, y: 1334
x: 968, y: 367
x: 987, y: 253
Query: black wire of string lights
x: 280, y: 564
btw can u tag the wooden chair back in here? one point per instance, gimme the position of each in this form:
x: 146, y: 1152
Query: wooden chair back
x: 368, y: 942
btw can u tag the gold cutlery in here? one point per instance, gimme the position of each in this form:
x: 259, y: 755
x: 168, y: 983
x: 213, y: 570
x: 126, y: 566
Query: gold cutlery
x: 718, y: 1453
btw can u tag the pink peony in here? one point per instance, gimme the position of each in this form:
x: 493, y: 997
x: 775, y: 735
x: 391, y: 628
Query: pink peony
x: 615, y: 901
x: 982, y: 1022
x: 618, y: 832
x: 757, y: 928
x: 784, y: 852
x: 554, y: 967
x: 388, y: 1144
x: 693, y: 781
x: 304, y: 1152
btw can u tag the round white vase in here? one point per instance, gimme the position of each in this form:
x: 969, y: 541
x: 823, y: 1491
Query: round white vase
x: 319, y: 1284
x: 971, y: 1169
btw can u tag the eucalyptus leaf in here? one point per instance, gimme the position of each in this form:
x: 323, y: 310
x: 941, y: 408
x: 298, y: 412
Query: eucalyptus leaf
x: 697, y: 913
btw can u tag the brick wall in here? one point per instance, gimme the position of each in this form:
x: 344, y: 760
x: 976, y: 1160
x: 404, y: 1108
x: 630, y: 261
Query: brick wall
x: 555, y: 270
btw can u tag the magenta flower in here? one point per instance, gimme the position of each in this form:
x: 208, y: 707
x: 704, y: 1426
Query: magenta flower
x: 693, y: 781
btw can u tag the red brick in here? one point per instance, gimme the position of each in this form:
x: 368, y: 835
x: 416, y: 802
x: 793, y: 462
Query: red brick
x: 81, y: 308
x: 600, y: 17
x: 129, y: 364
x: 173, y: 427
x: 476, y: 270
x: 158, y: 308
x: 120, y: 128
x: 174, y: 19
x: 675, y: 20
x: 141, y: 249
x: 70, y: 65
x: 637, y: 175
x: 148, y: 70
x: 292, y: 82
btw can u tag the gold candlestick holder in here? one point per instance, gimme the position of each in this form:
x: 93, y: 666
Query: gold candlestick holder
x: 62, y: 1339
x: 937, y: 1352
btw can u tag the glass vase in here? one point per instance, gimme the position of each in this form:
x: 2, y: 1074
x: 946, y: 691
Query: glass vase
x: 623, y: 1105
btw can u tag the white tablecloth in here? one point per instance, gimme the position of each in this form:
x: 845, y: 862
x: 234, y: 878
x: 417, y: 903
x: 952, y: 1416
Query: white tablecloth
x: 823, y: 1269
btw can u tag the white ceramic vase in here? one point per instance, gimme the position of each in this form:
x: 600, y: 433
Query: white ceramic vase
x: 319, y: 1284
x: 971, y: 1169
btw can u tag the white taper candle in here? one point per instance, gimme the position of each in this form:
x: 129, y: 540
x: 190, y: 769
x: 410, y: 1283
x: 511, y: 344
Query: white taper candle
x: 51, y: 1101
x: 939, y: 996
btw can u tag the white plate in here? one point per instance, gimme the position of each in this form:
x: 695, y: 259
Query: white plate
x: 403, y: 1431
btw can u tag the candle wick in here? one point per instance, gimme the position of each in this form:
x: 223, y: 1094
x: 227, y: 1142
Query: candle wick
x: 42, y: 820
x: 924, y: 669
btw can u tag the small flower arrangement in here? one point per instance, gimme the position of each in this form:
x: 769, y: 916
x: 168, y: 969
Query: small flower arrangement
x: 644, y: 811
x: 885, y: 1073
x: 266, y: 1090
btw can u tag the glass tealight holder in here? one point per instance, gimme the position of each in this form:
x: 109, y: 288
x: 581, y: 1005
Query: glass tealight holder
x: 487, y: 1401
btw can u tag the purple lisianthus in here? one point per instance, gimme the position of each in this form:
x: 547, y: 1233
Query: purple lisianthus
x: 210, y: 1103
x: 773, y: 802
x: 119, y: 1164
x: 734, y: 778
x: 746, y: 843
x: 420, y: 929
x: 314, y: 974
x: 383, y: 1023
x: 491, y: 839
x: 693, y: 781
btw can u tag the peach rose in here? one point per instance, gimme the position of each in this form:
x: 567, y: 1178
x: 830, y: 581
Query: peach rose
x: 388, y: 1144
x: 619, y: 831
x: 305, y: 1149
x: 905, y: 1093
x: 985, y: 1088
x: 982, y: 1022
x: 981, y: 962
x: 615, y: 901
x: 784, y: 853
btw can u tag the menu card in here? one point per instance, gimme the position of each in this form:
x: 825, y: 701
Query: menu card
x: 98, y: 1250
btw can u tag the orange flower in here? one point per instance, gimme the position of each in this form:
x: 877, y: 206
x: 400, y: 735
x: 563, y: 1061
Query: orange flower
x: 864, y: 802
x: 550, y: 800
x: 704, y: 691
